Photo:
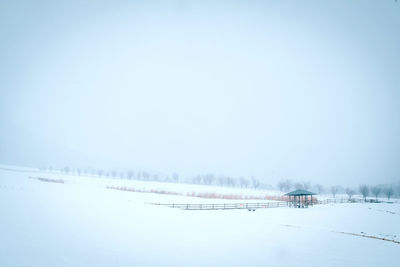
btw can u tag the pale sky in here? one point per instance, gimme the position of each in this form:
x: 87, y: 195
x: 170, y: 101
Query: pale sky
x: 306, y: 90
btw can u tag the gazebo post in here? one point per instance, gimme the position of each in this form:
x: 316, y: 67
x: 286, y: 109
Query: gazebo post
x: 301, y: 201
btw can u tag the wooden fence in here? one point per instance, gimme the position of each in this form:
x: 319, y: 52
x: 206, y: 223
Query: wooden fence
x: 226, y: 206
x: 257, y: 205
x: 346, y: 200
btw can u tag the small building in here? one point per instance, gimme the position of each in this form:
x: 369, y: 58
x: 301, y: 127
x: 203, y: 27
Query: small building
x: 300, y: 198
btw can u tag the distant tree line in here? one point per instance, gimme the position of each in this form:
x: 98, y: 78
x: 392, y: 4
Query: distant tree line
x: 284, y: 185
x: 228, y: 181
x: 375, y: 191
x: 203, y: 179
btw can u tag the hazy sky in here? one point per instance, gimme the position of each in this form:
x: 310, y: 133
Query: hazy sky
x: 307, y: 90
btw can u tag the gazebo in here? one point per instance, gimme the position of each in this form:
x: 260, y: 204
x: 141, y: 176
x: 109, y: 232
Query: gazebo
x: 300, y: 198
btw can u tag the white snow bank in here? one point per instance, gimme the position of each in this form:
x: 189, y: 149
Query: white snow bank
x: 75, y: 224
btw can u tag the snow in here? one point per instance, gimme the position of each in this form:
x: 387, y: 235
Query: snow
x: 81, y: 223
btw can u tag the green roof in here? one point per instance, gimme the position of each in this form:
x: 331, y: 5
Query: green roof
x: 300, y: 192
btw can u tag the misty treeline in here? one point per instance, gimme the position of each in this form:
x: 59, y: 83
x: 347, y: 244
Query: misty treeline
x: 203, y: 179
x: 228, y: 181
x: 388, y: 191
x: 375, y: 191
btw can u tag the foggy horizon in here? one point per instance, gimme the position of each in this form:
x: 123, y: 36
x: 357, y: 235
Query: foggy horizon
x: 303, y: 91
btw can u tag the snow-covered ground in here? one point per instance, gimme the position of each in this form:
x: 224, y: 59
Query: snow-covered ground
x: 81, y: 223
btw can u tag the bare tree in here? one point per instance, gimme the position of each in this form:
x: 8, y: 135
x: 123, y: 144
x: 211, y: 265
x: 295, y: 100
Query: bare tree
x: 243, y: 182
x: 388, y: 191
x: 350, y: 192
x: 175, y: 177
x: 208, y: 178
x: 146, y: 175
x: 287, y: 185
x: 130, y: 174
x: 221, y: 180
x: 334, y: 190
x: 298, y: 186
x: 376, y: 190
x: 364, y: 190
x: 306, y: 185
x: 155, y: 177
x: 232, y: 181
x: 99, y: 172
x: 255, y: 182
x: 281, y: 185
x: 320, y: 188
x: 66, y: 169
x: 197, y: 179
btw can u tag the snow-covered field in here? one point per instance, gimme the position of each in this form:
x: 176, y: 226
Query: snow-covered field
x: 81, y: 223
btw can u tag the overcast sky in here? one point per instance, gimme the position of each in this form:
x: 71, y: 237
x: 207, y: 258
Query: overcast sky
x: 307, y: 90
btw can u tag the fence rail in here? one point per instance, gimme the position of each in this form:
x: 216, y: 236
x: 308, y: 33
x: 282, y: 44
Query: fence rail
x: 256, y: 205
x: 346, y: 200
x: 225, y: 206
